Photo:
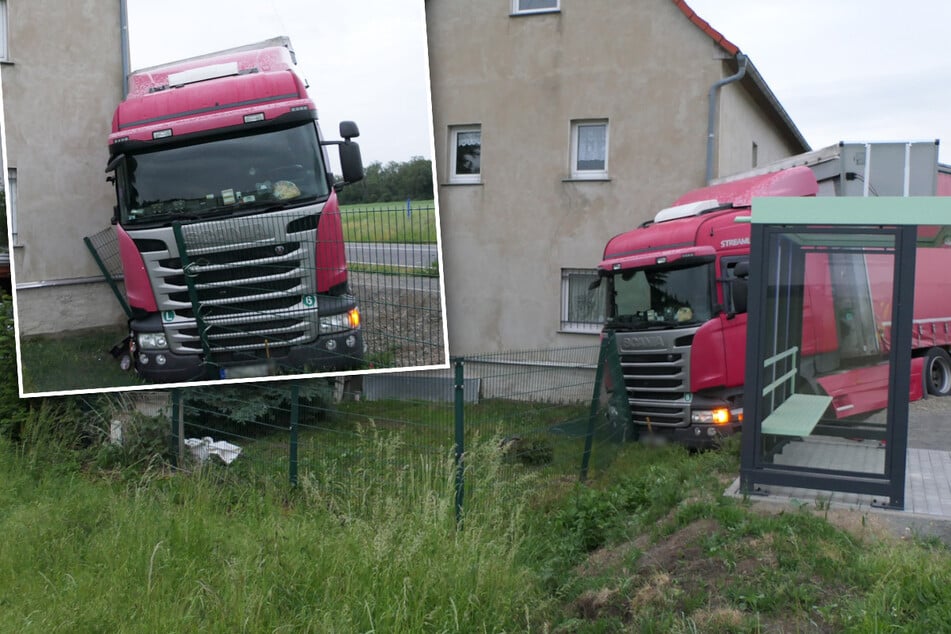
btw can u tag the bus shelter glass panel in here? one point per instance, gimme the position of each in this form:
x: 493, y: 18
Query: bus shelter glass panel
x: 825, y: 343
x: 931, y: 332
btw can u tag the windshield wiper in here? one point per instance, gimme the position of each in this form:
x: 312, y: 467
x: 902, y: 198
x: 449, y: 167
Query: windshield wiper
x: 627, y: 322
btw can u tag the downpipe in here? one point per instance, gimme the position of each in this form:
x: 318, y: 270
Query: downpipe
x: 741, y: 60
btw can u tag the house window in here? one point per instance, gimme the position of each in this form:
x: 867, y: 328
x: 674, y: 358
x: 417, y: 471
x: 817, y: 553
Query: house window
x: 582, y: 308
x: 4, y: 53
x: 11, y: 201
x: 534, y: 6
x: 589, y: 149
x: 465, y: 155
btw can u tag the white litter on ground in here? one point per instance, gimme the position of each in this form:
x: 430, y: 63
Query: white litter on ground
x: 202, y: 448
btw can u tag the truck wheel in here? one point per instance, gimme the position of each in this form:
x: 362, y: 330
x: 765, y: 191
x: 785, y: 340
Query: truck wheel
x: 938, y: 372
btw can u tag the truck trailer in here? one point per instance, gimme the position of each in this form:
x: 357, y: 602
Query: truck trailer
x: 227, y: 220
x: 676, y: 297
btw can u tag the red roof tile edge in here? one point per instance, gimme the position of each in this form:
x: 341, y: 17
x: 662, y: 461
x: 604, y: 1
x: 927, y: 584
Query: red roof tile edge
x: 717, y: 37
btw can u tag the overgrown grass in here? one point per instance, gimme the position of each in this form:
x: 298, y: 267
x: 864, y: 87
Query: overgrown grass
x: 80, y: 361
x: 368, y: 540
x: 372, y: 550
x: 390, y: 222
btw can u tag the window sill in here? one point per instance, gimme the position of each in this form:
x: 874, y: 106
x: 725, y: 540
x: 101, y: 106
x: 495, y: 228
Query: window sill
x: 587, y: 179
x: 6, y: 62
x: 461, y: 183
x: 522, y: 14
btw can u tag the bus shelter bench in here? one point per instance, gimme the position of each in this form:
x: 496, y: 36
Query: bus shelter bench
x: 799, y: 414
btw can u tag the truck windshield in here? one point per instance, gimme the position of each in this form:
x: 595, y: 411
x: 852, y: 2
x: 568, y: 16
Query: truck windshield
x: 233, y: 174
x: 661, y: 296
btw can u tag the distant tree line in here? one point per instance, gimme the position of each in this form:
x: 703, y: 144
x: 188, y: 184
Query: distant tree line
x: 391, y: 182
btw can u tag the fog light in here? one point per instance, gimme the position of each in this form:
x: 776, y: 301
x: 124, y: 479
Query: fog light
x: 160, y: 359
x: 711, y: 431
x: 331, y: 345
x: 143, y: 359
x: 351, y: 341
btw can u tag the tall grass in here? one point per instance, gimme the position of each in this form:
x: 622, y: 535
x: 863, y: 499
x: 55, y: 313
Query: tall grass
x: 372, y: 550
x: 369, y: 541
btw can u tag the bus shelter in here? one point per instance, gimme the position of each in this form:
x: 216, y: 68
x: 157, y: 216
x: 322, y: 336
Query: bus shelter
x: 830, y: 368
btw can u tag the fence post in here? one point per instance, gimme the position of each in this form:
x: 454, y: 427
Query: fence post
x: 174, y: 439
x: 595, y: 400
x: 459, y: 395
x: 188, y: 275
x: 295, y: 417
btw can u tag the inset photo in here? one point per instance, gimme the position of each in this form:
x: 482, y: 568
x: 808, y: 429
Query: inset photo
x: 245, y: 193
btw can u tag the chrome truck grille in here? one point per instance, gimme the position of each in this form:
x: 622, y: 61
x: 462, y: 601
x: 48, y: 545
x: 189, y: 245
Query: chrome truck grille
x: 254, y: 279
x: 656, y: 368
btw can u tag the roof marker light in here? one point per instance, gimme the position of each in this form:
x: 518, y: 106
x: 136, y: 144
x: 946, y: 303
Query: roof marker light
x: 686, y: 210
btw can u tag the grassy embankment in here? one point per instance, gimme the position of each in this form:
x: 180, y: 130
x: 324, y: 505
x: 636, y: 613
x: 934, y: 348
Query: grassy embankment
x: 650, y: 546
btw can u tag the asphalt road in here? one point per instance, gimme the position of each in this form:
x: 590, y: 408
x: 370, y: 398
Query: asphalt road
x: 410, y: 255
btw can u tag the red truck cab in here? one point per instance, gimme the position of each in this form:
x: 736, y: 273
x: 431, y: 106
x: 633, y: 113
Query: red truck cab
x: 228, y: 225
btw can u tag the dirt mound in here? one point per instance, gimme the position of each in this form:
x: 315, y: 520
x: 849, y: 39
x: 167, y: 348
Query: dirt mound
x: 683, y: 574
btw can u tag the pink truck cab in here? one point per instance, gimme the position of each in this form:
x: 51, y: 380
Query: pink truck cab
x: 228, y: 225
x: 676, y: 306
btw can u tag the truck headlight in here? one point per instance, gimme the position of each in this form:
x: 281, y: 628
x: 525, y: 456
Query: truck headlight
x: 716, y: 416
x: 152, y: 341
x: 339, y: 323
x: 334, y: 323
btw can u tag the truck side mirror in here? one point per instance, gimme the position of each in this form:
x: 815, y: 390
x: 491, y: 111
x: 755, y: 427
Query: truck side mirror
x: 351, y: 163
x: 741, y: 289
x: 740, y: 286
x: 349, y: 130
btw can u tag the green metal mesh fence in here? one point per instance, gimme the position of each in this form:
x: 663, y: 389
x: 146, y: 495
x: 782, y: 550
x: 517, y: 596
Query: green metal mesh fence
x: 104, y: 248
x: 551, y: 411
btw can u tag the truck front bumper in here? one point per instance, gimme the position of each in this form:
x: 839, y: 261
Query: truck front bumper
x: 341, y: 351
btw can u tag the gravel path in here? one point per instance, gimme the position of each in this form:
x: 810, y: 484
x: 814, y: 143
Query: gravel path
x: 402, y: 319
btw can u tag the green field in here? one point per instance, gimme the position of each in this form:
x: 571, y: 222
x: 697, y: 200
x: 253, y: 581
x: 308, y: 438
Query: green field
x: 389, y: 222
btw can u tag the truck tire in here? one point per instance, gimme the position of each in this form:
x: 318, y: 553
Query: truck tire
x: 938, y: 372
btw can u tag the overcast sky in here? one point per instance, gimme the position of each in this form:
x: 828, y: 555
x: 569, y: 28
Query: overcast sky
x: 365, y: 60
x: 849, y: 70
x: 845, y: 70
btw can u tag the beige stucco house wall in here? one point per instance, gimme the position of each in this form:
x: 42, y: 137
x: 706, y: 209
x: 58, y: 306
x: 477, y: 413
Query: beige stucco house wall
x: 61, y: 81
x: 516, y: 230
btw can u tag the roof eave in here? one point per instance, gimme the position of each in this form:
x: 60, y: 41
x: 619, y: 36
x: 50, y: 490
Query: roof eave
x: 758, y: 82
x: 777, y: 107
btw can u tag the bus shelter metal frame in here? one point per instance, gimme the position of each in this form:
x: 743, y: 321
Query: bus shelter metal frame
x: 896, y: 216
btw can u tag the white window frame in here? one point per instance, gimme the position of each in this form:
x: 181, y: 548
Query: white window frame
x: 454, y: 132
x: 589, y: 174
x: 4, y: 33
x: 574, y: 325
x: 518, y: 10
x: 11, y: 202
